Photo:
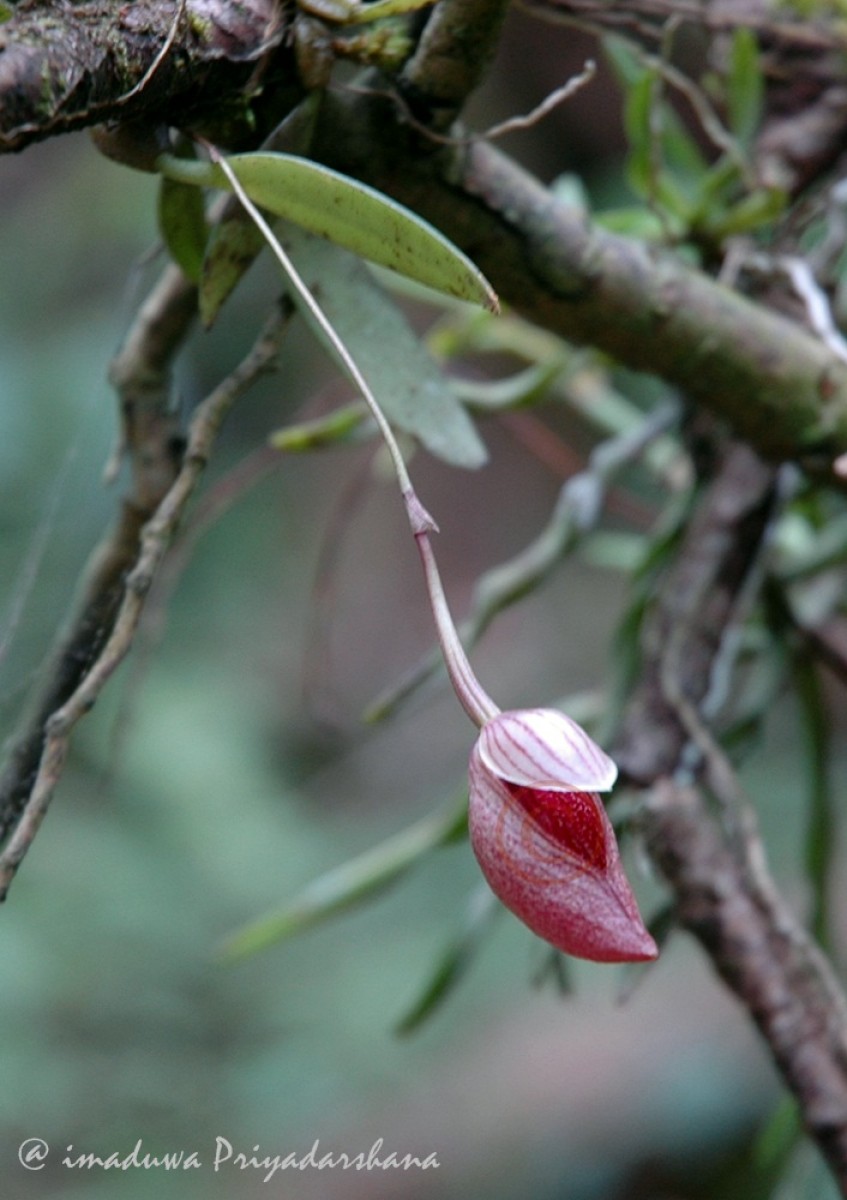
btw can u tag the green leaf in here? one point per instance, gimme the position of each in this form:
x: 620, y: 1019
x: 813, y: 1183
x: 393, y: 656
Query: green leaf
x: 717, y: 187
x: 348, y: 213
x: 625, y: 63
x: 821, y: 842
x: 636, y: 221
x: 351, y: 884
x: 404, y: 378
x: 233, y: 247
x: 338, y: 427
x: 182, y: 222
x: 751, y: 212
x: 454, y: 961
x: 745, y: 87
x: 665, y: 165
x: 524, y: 387
x: 235, y: 241
x: 638, y: 121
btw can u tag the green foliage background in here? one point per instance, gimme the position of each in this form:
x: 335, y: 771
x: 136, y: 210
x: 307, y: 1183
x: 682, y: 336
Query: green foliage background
x: 203, y: 791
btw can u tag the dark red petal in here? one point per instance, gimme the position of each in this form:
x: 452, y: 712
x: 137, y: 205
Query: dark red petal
x: 570, y: 818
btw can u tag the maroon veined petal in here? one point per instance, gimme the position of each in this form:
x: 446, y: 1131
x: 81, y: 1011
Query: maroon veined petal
x: 573, y: 819
x: 554, y: 862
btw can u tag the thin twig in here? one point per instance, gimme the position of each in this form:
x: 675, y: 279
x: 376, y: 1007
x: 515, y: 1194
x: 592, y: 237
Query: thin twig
x: 151, y: 438
x: 155, y: 540
x: 511, y: 125
x: 164, y: 50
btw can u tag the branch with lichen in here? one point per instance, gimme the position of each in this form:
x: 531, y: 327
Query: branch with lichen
x: 65, y: 67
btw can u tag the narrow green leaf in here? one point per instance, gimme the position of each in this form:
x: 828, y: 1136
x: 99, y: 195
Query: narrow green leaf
x: 680, y: 150
x: 404, y: 378
x: 182, y: 223
x: 351, y: 884
x: 821, y: 842
x: 673, y: 200
x: 777, y: 1139
x: 348, y: 213
x: 627, y: 66
x: 454, y: 962
x: 524, y: 387
x: 338, y: 427
x: 635, y: 221
x: 751, y: 212
x: 638, y: 111
x: 234, y: 245
x: 745, y: 87
x: 235, y: 241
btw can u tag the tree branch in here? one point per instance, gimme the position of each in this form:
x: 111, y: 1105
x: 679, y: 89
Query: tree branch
x: 66, y: 66
x: 763, y: 955
x: 452, y: 58
x: 696, y: 605
x: 779, y: 387
x: 724, y: 894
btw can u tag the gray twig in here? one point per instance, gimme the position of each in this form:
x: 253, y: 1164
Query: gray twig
x: 155, y: 539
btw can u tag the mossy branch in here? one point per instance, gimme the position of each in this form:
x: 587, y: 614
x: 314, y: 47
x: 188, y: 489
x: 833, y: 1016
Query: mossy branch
x: 65, y: 67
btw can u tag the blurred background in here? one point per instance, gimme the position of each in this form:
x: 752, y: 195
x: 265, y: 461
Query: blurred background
x: 227, y: 766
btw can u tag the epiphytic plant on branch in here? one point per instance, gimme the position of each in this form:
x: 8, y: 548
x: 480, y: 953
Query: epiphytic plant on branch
x: 694, y: 327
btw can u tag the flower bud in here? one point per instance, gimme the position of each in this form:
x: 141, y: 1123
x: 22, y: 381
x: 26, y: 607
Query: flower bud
x: 543, y: 839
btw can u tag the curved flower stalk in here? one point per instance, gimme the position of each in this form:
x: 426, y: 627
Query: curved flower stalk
x: 538, y: 827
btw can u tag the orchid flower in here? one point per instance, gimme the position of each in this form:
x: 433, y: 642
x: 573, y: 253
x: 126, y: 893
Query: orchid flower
x: 537, y: 825
x: 543, y: 839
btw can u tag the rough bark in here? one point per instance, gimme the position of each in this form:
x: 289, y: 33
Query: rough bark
x: 65, y: 67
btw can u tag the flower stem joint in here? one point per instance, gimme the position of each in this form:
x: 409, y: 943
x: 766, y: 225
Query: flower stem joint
x: 543, y: 839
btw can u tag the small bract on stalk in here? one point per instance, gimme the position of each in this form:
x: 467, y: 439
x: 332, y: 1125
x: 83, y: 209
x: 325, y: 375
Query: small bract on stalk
x: 537, y: 825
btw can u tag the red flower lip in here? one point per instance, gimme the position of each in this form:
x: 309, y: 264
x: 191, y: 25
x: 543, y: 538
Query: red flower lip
x: 543, y: 839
